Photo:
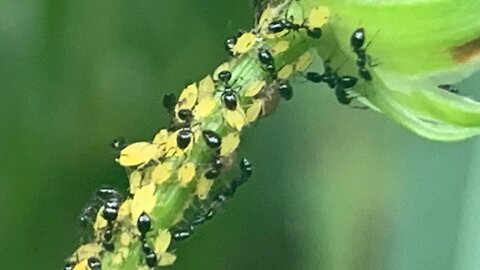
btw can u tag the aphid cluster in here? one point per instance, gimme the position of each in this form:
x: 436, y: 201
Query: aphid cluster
x: 197, y: 152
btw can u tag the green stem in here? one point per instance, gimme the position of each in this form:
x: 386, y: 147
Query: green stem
x: 171, y: 198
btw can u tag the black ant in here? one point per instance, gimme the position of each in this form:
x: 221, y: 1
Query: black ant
x: 338, y: 83
x: 279, y: 26
x: 94, y: 263
x: 186, y: 230
x: 90, y: 211
x: 144, y: 225
x: 229, y: 95
x: 357, y: 40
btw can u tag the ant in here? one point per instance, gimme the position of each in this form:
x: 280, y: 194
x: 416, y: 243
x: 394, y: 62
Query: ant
x: 334, y: 81
x: 357, y: 40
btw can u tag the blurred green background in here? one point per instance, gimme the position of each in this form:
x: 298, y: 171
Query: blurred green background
x: 333, y: 187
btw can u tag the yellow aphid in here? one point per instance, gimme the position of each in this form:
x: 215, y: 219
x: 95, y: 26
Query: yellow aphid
x: 205, y: 107
x: 244, y: 43
x: 171, y: 145
x: 267, y: 16
x: 254, y: 88
x: 162, y: 172
x: 187, y: 98
x: 203, y: 187
x: 186, y: 173
x: 304, y: 61
x: 167, y: 258
x: 143, y: 201
x: 121, y: 255
x: 161, y: 137
x: 206, y: 86
x: 318, y: 17
x: 125, y: 239
x: 254, y: 110
x: 222, y: 67
x: 139, y: 153
x: 235, y: 119
x: 280, y: 47
x: 285, y: 72
x: 86, y: 251
x: 100, y: 222
x: 124, y: 210
x: 162, y: 242
x: 135, y: 181
x: 229, y: 144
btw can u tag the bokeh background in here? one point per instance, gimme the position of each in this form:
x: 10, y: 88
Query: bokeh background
x: 333, y: 187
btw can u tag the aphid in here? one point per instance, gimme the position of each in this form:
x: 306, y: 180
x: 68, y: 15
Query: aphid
x: 188, y: 97
x: 245, y: 42
x: 318, y: 17
x: 186, y: 173
x: 212, y: 139
x: 144, y: 200
x: 139, y: 153
x: 94, y: 263
x: 162, y: 242
x: 280, y: 47
x: 169, y: 101
x: 450, y: 88
x: 254, y: 88
x: 84, y: 252
x: 203, y: 188
x: 144, y: 224
x: 229, y: 144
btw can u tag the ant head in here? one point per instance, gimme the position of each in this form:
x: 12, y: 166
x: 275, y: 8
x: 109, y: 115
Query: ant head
x: 224, y: 76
